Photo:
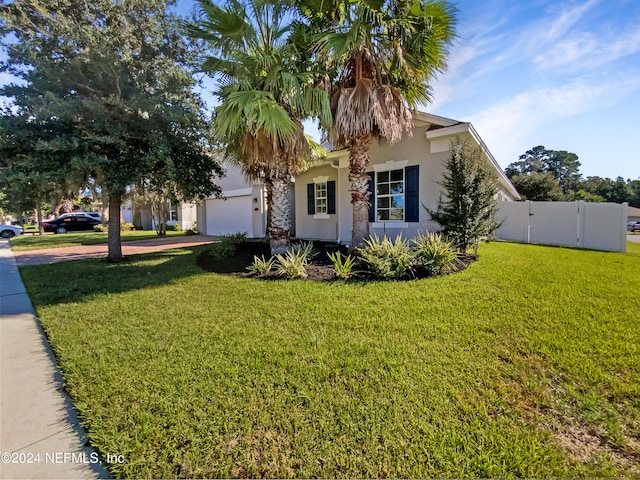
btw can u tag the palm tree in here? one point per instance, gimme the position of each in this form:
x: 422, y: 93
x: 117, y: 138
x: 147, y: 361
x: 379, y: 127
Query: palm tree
x: 385, y: 54
x: 265, y: 90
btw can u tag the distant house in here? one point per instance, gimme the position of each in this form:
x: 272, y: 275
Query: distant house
x: 181, y: 213
x: 633, y: 214
x: 404, y: 177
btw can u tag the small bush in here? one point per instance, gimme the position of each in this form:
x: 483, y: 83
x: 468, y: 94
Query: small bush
x: 433, y: 253
x: 104, y: 227
x: 228, y: 245
x: 304, y: 249
x: 385, y: 259
x: 174, y: 228
x: 261, y: 267
x: 292, y: 264
x: 342, y: 266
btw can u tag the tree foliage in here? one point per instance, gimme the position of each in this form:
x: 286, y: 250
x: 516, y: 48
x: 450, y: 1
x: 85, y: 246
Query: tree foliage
x: 111, y: 76
x: 381, y: 58
x: 467, y: 207
x: 538, y: 186
x: 559, y: 164
x: 265, y: 90
x: 550, y: 175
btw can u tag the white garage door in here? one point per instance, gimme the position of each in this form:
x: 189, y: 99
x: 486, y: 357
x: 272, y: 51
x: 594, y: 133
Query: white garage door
x: 232, y: 215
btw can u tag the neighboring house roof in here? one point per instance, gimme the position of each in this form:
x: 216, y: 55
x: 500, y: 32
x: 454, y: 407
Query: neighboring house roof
x: 633, y: 211
x: 443, y: 127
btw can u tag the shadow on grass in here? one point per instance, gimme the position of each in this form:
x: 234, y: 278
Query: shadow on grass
x: 58, y: 283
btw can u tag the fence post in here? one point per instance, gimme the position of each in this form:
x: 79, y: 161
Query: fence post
x: 582, y: 215
x: 529, y: 222
x: 624, y: 210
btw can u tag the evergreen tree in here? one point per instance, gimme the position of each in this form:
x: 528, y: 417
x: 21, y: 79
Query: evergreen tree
x: 115, y: 74
x: 467, y: 207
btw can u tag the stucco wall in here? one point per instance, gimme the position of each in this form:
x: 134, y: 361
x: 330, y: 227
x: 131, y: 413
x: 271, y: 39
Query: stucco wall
x: 307, y: 226
x: 414, y: 150
x: 233, y: 179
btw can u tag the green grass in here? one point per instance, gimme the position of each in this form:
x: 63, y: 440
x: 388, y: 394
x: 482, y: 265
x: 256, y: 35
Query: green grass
x: 527, y: 364
x: 36, y: 242
x: 633, y: 248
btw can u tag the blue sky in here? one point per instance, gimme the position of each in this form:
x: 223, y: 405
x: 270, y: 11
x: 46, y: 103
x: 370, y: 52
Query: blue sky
x: 560, y: 73
x: 563, y: 74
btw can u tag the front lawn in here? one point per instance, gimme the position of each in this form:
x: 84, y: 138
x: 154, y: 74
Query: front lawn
x: 525, y: 364
x: 37, y: 242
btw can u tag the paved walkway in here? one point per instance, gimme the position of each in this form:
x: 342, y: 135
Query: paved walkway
x: 52, y: 255
x: 633, y: 238
x: 40, y: 435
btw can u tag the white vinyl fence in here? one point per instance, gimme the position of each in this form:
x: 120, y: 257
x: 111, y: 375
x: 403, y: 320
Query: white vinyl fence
x: 598, y: 226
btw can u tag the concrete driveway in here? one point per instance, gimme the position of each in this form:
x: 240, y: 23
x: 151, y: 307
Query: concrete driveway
x: 53, y: 255
x: 633, y: 238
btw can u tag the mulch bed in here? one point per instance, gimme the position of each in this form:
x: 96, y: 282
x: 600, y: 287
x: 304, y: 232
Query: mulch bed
x: 320, y: 268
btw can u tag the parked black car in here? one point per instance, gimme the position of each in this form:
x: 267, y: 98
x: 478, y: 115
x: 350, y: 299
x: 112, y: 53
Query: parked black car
x: 70, y: 222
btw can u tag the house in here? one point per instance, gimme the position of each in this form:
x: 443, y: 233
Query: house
x: 242, y: 208
x: 404, y: 178
x: 633, y: 214
x: 181, y: 213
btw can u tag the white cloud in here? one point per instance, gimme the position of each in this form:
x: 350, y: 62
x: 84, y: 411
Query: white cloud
x: 505, y: 125
x: 589, y: 51
x: 569, y: 15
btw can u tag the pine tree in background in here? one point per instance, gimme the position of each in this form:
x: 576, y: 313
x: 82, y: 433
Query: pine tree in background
x: 466, y: 211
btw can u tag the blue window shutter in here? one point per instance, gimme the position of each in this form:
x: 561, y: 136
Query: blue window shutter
x: 372, y: 196
x: 412, y: 194
x: 311, y: 198
x: 331, y: 197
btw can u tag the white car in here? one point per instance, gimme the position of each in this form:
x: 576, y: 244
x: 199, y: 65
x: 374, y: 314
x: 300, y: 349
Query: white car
x: 8, y: 231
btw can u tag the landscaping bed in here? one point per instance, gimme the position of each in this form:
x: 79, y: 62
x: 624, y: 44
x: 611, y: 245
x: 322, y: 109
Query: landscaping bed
x: 320, y: 268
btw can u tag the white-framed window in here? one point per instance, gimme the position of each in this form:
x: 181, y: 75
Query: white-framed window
x: 320, y: 196
x: 390, y: 195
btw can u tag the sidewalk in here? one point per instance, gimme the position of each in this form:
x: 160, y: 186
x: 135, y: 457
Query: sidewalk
x: 40, y: 436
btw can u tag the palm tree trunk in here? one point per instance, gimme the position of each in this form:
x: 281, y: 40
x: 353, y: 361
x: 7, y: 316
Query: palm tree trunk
x: 269, y: 191
x: 358, y: 162
x: 114, y: 246
x: 280, y: 218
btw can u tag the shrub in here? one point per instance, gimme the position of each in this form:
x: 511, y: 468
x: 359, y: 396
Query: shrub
x: 174, y: 228
x: 304, y: 249
x: 468, y: 204
x: 292, y: 264
x: 385, y: 259
x: 104, y: 227
x: 433, y: 254
x: 342, y: 266
x: 261, y: 267
x: 228, y: 245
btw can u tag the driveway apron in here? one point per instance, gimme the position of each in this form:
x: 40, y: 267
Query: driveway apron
x: 52, y: 255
